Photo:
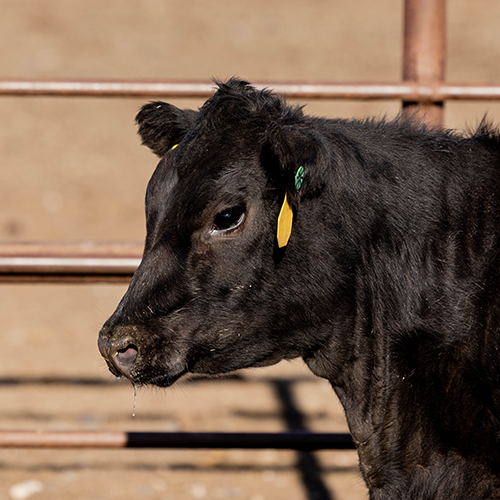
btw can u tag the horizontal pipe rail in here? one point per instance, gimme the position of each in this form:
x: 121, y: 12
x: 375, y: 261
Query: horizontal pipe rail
x: 53, y: 267
x: 295, y: 440
x: 69, y: 262
x: 409, y: 91
x: 122, y: 249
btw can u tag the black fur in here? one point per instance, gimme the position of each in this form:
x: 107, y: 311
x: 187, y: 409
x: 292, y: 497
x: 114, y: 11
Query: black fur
x: 388, y: 287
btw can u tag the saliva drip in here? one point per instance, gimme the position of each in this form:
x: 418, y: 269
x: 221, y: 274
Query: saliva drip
x: 135, y: 400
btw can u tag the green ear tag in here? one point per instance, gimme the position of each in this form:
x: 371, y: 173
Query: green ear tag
x: 299, y: 178
x: 285, y: 219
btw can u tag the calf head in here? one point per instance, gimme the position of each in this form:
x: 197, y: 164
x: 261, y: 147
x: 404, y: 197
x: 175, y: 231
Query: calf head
x: 214, y: 291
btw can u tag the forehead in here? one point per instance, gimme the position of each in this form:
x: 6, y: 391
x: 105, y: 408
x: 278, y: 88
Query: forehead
x: 198, y: 171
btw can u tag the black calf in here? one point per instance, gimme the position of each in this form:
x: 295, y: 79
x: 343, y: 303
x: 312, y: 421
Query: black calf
x: 388, y: 285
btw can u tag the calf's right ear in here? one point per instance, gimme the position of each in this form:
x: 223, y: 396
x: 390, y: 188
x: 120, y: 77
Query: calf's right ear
x: 162, y: 125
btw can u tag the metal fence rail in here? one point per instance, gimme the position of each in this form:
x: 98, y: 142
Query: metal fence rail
x: 423, y: 90
x: 68, y: 262
x: 296, y: 440
x: 409, y: 91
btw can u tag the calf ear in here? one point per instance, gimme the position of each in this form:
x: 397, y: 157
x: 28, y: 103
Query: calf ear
x: 296, y: 159
x: 162, y: 125
x: 294, y: 156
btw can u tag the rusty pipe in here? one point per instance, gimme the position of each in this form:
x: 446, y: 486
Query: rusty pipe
x: 424, y: 55
x: 68, y: 262
x: 408, y: 90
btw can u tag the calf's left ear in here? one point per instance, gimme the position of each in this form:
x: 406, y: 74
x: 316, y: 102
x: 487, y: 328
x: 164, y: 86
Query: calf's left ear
x: 295, y: 157
x: 162, y: 125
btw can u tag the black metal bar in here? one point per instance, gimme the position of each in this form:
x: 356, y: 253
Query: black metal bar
x: 305, y: 441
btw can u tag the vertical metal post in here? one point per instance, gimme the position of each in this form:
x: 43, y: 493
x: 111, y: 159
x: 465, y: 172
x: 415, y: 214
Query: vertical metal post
x: 424, y: 54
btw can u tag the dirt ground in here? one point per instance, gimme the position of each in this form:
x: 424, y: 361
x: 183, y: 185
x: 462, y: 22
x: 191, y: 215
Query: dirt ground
x: 73, y: 169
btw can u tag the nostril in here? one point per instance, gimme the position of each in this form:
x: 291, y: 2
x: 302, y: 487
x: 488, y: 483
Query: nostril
x: 126, y: 357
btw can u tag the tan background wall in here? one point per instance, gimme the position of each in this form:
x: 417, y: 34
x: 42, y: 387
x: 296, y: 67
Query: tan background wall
x: 73, y: 169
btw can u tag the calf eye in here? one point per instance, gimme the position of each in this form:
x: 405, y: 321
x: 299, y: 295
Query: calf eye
x: 228, y: 219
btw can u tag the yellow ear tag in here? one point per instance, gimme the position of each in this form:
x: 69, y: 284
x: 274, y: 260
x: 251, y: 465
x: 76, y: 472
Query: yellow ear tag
x: 285, y: 219
x: 174, y: 146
